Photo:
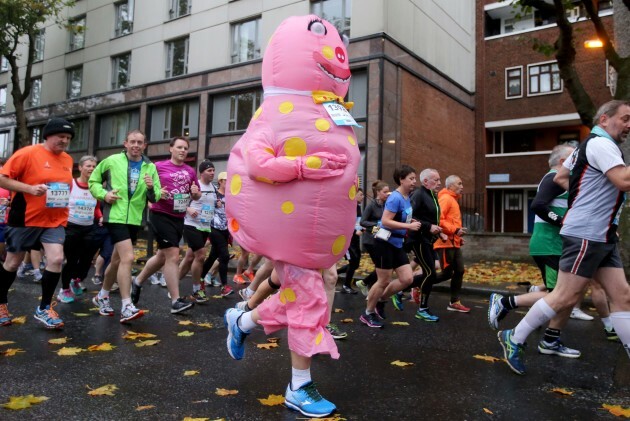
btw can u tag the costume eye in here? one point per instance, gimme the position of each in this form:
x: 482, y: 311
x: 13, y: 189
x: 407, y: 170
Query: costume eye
x: 317, y: 27
x: 345, y: 40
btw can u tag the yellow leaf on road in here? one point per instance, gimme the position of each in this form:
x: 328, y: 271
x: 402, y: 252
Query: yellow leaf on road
x: 267, y: 345
x: 217, y: 296
x: 19, y: 320
x: 10, y: 352
x: 94, y: 309
x: 272, y: 400
x: 196, y: 419
x: 486, y: 358
x: 105, y: 346
x: 191, y: 373
x: 562, y: 391
x: 487, y: 411
x: 400, y: 363
x: 186, y: 333
x: 133, y: 335
x: 338, y: 310
x: 23, y: 402
x: 401, y: 323
x: 58, y: 341
x: 225, y: 392
x: 108, y: 389
x: 144, y: 407
x: 185, y: 322
x: 81, y: 314
x: 617, y: 410
x: 208, y: 325
x: 150, y: 342
x: 6, y: 342
x: 347, y: 320
x: 66, y: 352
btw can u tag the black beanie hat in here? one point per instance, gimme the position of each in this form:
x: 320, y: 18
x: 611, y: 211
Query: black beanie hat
x: 58, y: 125
x: 205, y: 164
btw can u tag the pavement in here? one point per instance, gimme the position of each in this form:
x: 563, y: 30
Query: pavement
x: 445, y: 378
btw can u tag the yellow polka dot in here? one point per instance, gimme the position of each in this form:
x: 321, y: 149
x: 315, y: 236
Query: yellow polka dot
x: 288, y: 207
x: 338, y: 245
x: 285, y: 107
x: 328, y: 52
x: 319, y: 338
x: 257, y: 113
x: 352, y: 141
x: 352, y: 192
x: 313, y: 162
x: 287, y: 296
x: 235, y: 184
x: 295, y: 146
x: 264, y: 180
x: 322, y: 125
x: 269, y: 150
x: 234, y: 225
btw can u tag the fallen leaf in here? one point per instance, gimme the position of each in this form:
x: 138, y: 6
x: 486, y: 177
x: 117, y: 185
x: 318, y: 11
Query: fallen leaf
x: 58, y: 341
x: 19, y: 320
x: 401, y: 323
x: 186, y: 333
x: 217, y: 296
x: 338, y: 310
x: 144, y: 407
x: 273, y: 340
x: 108, y: 389
x: 225, y: 392
x: 191, y: 373
x: 105, y: 346
x: 267, y: 345
x: 133, y: 335
x: 272, y: 400
x: 487, y: 411
x: 10, y: 352
x: 562, y: 391
x: 6, y: 342
x: 68, y: 352
x: 150, y: 342
x: 23, y: 402
x: 94, y: 309
x: 617, y: 410
x: 400, y: 363
x: 185, y: 322
x: 208, y: 325
x: 347, y: 320
x: 81, y: 314
x: 486, y: 358
x: 196, y: 419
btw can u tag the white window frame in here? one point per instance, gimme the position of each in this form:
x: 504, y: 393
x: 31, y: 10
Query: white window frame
x: 234, y: 108
x: 116, y: 70
x: 170, y: 47
x: 119, y: 20
x: 175, y: 5
x: 185, y: 129
x: 237, y: 41
x: 36, y: 135
x: 77, y: 38
x: 35, y: 100
x: 3, y: 98
x: 40, y: 43
x: 121, y: 123
x: 507, y: 81
x: 69, y: 78
x: 346, y: 9
x: 5, y: 143
x: 4, y: 64
x: 551, y: 92
x: 82, y: 129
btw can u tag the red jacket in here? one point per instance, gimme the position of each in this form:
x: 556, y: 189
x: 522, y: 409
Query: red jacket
x: 450, y: 219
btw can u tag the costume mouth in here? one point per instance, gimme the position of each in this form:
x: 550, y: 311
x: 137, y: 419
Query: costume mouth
x: 338, y: 74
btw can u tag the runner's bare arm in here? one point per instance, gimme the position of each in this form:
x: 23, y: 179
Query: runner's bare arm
x: 18, y: 186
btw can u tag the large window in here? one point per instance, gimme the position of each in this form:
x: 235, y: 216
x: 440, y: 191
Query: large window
x: 121, y: 71
x: 34, y: 98
x: 5, y: 140
x: 4, y: 64
x: 514, y: 82
x: 336, y: 12
x: 74, y: 81
x: 112, y: 128
x: 246, y: 40
x: 77, y: 33
x: 40, y: 41
x: 3, y: 99
x: 178, y: 119
x: 357, y: 93
x: 80, y: 139
x: 544, y: 78
x: 124, y: 18
x: 179, y: 8
x: 177, y: 57
x: 233, y: 112
x: 36, y: 134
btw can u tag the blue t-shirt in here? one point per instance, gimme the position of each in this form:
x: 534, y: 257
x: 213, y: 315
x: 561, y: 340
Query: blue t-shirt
x: 134, y: 175
x: 397, y: 204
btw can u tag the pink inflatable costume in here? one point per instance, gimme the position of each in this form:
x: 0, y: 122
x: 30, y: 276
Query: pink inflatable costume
x: 292, y: 177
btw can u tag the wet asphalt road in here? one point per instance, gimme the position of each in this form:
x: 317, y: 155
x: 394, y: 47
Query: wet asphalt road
x: 445, y: 382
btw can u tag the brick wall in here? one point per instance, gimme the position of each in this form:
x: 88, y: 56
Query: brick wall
x: 496, y: 246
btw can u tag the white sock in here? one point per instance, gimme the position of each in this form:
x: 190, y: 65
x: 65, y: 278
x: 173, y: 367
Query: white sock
x: 135, y: 281
x: 539, y: 314
x: 621, y: 323
x: 103, y: 293
x: 299, y: 378
x: 246, y: 323
x: 125, y: 301
x: 607, y: 323
x: 196, y: 287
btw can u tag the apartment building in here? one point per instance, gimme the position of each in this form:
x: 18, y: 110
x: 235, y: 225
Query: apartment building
x: 192, y: 67
x: 523, y: 110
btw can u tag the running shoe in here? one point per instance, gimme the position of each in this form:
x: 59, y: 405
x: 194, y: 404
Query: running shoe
x: 37, y: 275
x: 182, y: 304
x: 558, y: 348
x: 207, y: 279
x: 104, y: 308
x: 458, y: 306
x: 129, y: 313
x: 611, y: 335
x: 416, y: 295
x: 248, y: 276
x: 496, y: 311
x: 512, y: 351
x: 154, y: 279
x: 362, y: 287
x: 65, y: 296
x: 215, y: 281
x: 5, y: 317
x: 24, y: 269
x: 397, y: 301
x: 371, y: 320
x: 236, y: 336
x: 380, y: 309
x: 135, y: 291
x: 578, y: 314
x: 238, y: 279
x: 348, y: 290
x: 335, y: 332
x: 49, y: 317
x: 244, y: 294
x: 115, y: 287
x: 200, y: 296
x: 162, y: 279
x: 226, y: 290
x: 242, y: 305
x: 426, y: 315
x: 75, y: 286
x: 308, y: 401
x: 97, y: 280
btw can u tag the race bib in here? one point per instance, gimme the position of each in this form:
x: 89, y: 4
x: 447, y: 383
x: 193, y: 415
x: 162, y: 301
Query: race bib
x: 3, y: 213
x: 180, y: 202
x: 84, y: 209
x: 57, y: 195
x: 339, y: 114
x: 205, y: 215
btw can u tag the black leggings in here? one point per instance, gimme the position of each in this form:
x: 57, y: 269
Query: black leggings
x: 452, y: 262
x: 79, y: 247
x: 219, y: 250
x: 371, y: 278
x: 355, y: 259
x: 425, y: 256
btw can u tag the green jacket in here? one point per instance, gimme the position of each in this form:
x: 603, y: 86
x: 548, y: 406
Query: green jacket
x: 113, y: 171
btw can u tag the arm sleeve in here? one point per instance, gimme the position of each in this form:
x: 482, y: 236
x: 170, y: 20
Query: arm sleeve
x: 547, y: 191
x: 367, y: 216
x: 95, y: 183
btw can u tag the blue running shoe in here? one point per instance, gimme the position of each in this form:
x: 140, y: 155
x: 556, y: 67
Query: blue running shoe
x: 496, y: 311
x: 236, y: 337
x: 49, y: 317
x: 75, y: 286
x: 371, y: 320
x: 512, y: 351
x: 308, y: 401
x: 426, y: 315
x: 397, y: 301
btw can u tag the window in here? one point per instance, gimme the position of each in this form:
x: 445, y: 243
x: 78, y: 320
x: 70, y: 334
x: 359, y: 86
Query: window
x: 177, y: 119
x: 179, y: 8
x: 73, y: 84
x: 5, y: 140
x: 336, y: 12
x: 77, y: 33
x: 3, y: 99
x: 121, y: 71
x: 245, y: 41
x: 233, y: 112
x: 34, y: 99
x: 114, y: 127
x: 124, y: 18
x: 357, y: 93
x: 513, y: 201
x: 177, y: 57
x: 81, y: 131
x: 514, y: 82
x: 544, y: 78
x: 36, y: 135
x: 4, y: 64
x: 40, y: 41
